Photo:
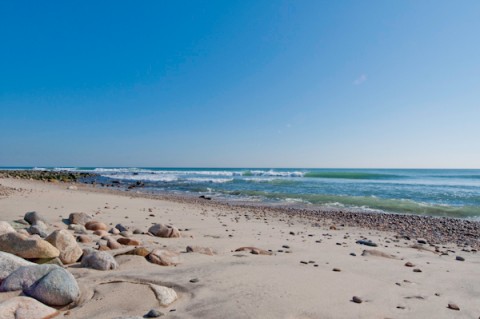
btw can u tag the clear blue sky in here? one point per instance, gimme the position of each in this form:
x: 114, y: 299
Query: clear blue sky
x: 240, y: 83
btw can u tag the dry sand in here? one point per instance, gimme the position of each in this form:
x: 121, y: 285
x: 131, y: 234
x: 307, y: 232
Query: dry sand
x: 244, y: 285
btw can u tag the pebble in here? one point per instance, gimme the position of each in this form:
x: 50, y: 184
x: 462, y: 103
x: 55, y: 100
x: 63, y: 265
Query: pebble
x: 409, y: 264
x: 366, y: 243
x: 356, y: 299
x: 417, y: 270
x: 303, y: 262
x: 459, y: 258
x: 337, y: 269
x: 453, y: 306
x: 194, y: 280
x: 153, y: 313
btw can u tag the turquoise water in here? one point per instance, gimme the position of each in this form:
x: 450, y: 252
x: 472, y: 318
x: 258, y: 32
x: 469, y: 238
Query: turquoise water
x: 454, y: 193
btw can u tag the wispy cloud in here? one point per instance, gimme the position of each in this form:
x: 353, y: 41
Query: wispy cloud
x: 361, y: 79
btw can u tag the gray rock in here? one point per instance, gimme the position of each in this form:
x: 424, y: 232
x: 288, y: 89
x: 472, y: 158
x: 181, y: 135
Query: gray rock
x: 121, y: 228
x: 78, y: 229
x: 57, y: 288
x: 33, y: 217
x: 39, y: 228
x: 79, y: 218
x: 99, y: 260
x: 9, y: 263
x: 25, y: 276
x: 50, y: 284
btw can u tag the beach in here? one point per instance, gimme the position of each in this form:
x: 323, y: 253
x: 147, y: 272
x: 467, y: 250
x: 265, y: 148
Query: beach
x: 290, y: 263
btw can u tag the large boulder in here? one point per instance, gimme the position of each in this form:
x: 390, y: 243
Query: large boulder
x: 25, y: 276
x: 25, y: 247
x: 164, y: 257
x: 70, y: 251
x: 57, y: 288
x: 25, y: 308
x: 50, y: 284
x: 9, y: 263
x: 6, y: 228
x: 33, y: 217
x: 99, y: 260
x: 79, y: 218
x: 165, y: 231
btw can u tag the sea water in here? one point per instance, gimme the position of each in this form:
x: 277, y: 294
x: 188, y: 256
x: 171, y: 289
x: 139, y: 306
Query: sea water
x: 437, y: 192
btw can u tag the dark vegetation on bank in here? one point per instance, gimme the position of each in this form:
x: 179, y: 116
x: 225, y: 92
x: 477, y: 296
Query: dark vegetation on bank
x: 47, y: 176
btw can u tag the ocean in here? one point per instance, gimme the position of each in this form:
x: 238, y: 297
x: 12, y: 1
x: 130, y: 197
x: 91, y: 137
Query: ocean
x: 436, y: 192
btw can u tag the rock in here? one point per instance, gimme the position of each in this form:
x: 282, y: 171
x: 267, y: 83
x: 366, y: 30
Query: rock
x: 453, y: 306
x: 103, y: 248
x: 165, y: 295
x: 200, y: 250
x: 101, y: 233
x: 25, y: 247
x: 79, y: 218
x: 139, y: 251
x: 356, y: 299
x: 114, y: 231
x: 84, y: 239
x: 121, y: 228
x: 421, y: 241
x: 164, y: 257
x: 336, y: 269
x: 129, y: 241
x: 72, y: 187
x: 137, y: 231
x: 25, y: 276
x: 39, y: 228
x: 126, y: 233
x: 9, y: 263
x: 33, y: 217
x: 153, y: 313
x: 366, y: 243
x: 194, y: 280
x: 70, y: 252
x: 25, y: 308
x: 417, y: 270
x: 254, y: 250
x: 459, y: 258
x: 93, y: 225
x: 164, y: 231
x: 113, y: 244
x: 57, y: 288
x: 376, y: 253
x: 99, y: 260
x: 409, y: 264
x: 78, y: 229
x: 6, y: 228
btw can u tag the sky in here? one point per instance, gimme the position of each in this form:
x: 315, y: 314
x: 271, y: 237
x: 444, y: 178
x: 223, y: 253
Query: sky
x: 327, y: 84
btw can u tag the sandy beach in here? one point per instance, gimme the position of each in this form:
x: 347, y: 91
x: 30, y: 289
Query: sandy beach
x: 293, y: 266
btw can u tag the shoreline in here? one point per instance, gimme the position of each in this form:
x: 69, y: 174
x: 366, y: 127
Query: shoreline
x: 437, y: 230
